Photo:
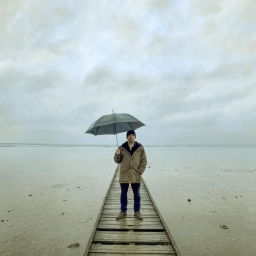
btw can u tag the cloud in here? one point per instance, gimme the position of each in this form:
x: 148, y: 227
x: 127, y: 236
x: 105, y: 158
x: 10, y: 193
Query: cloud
x: 185, y: 68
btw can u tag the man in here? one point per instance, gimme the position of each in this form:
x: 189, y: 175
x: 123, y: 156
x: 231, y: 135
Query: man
x: 133, y: 160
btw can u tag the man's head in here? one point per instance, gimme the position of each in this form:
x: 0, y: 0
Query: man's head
x: 131, y: 136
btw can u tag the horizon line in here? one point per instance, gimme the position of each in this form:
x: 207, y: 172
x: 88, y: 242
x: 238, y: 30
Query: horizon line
x: 146, y: 145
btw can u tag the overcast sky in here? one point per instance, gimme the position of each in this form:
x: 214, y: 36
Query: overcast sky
x: 187, y: 69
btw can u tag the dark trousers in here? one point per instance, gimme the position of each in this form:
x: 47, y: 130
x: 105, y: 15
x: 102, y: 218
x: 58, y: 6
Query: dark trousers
x: 124, y: 199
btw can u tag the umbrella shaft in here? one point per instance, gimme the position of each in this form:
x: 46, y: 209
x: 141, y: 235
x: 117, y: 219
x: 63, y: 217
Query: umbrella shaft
x: 116, y: 141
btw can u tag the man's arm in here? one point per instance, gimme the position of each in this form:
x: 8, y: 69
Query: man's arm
x: 118, y: 156
x: 143, y: 162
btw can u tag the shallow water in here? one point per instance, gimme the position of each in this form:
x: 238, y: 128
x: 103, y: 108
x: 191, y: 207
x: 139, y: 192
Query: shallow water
x: 51, y: 196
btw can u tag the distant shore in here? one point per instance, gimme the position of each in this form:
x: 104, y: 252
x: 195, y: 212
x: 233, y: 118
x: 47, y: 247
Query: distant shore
x: 16, y: 144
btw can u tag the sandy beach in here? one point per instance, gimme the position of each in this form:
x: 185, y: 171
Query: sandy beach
x: 51, y: 196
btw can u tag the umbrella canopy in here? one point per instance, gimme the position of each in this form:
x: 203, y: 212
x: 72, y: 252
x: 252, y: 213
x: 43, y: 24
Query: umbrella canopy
x: 114, y: 123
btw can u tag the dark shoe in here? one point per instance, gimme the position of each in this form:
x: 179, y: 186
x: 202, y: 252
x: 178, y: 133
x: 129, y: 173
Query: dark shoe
x: 138, y: 216
x: 121, y: 215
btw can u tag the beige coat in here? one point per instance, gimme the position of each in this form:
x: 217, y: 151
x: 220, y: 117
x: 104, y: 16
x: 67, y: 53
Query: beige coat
x: 131, y: 167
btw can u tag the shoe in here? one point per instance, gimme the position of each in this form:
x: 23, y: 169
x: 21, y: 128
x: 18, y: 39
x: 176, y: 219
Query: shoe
x: 121, y: 215
x: 138, y: 216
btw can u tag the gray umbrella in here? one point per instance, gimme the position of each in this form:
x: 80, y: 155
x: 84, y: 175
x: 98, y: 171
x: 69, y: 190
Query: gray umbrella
x: 113, y: 124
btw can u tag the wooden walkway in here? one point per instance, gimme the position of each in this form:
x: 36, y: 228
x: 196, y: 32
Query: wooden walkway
x: 130, y: 236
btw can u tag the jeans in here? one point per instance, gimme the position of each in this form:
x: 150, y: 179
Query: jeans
x: 124, y: 199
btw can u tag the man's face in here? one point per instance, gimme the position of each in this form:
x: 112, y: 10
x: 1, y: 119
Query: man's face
x: 131, y: 138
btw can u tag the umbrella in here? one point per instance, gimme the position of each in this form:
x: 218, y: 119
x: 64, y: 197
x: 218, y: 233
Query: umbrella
x: 113, y: 124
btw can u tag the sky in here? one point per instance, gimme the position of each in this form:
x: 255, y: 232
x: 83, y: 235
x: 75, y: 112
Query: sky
x: 187, y: 69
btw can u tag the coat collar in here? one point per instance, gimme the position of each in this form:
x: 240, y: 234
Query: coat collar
x: 135, y: 147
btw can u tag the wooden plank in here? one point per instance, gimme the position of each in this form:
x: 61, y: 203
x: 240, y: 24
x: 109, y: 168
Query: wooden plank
x: 129, y: 220
x: 128, y: 217
x: 131, y: 237
x: 131, y: 248
x: 131, y: 224
x: 117, y: 198
x: 130, y: 192
x: 117, y: 187
x: 130, y: 198
x: 158, y: 227
x: 117, y: 202
x: 129, y: 206
x: 144, y: 208
x: 114, y: 213
x: 117, y: 193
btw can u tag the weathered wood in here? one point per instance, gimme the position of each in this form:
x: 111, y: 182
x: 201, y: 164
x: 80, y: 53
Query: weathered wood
x: 130, y: 224
x: 129, y: 221
x: 147, y: 213
x: 141, y: 249
x: 117, y: 206
x: 130, y: 236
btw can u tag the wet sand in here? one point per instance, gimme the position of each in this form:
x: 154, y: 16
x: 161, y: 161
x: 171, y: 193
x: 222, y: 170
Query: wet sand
x: 207, y: 198
x: 50, y: 198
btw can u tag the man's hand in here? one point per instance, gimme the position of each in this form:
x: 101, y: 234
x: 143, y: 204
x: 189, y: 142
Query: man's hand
x: 118, y: 151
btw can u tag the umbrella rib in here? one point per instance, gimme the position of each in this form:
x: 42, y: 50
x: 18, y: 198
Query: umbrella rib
x: 131, y: 127
x: 97, y: 130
